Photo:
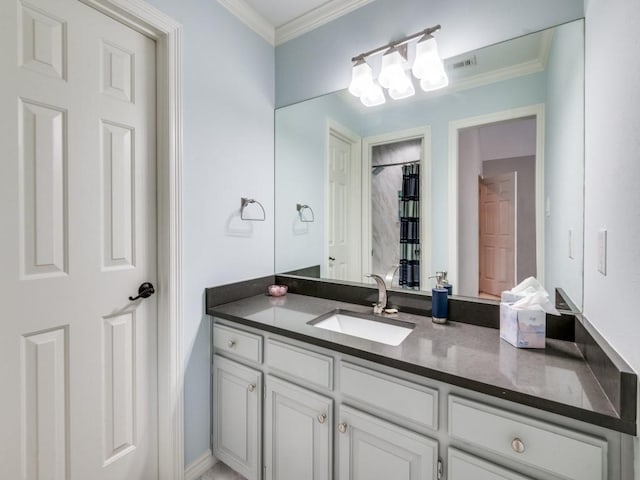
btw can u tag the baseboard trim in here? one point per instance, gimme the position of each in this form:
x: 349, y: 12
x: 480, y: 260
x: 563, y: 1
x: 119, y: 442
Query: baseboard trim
x: 200, y: 466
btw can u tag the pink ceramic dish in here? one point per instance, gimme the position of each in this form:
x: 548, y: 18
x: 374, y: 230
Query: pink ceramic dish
x: 277, y: 290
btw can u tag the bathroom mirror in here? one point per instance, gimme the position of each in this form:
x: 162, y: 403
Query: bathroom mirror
x: 483, y: 179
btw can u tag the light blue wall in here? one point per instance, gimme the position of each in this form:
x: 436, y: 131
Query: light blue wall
x: 228, y: 92
x: 319, y: 61
x: 301, y: 141
x: 564, y: 160
x: 303, y: 165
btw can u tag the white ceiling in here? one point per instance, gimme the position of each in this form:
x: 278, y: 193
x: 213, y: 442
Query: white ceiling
x: 278, y: 21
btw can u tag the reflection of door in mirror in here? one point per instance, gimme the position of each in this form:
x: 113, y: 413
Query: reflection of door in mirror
x: 395, y: 204
x: 497, y: 218
x: 343, y: 197
x: 497, y: 213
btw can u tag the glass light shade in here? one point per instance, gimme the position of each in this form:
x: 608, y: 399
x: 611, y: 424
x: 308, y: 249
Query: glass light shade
x: 392, y: 68
x: 372, y: 96
x: 361, y: 78
x: 400, y: 89
x: 428, y: 66
x: 435, y: 80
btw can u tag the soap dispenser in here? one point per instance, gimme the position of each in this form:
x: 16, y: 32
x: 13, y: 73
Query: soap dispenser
x: 439, y: 301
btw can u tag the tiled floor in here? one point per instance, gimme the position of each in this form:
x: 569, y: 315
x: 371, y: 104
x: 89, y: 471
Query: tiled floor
x: 221, y: 472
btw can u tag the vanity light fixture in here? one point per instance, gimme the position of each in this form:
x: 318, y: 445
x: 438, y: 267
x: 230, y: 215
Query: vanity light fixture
x: 427, y: 67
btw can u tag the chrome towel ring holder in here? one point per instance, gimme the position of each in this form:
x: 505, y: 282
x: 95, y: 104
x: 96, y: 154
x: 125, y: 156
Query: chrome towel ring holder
x: 244, y: 202
x: 301, y: 208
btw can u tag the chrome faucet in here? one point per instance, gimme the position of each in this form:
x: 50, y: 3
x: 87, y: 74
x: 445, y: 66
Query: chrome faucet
x: 379, y: 307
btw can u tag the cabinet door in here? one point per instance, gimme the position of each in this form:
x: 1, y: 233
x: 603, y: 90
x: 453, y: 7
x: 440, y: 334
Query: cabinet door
x: 298, y: 433
x: 237, y: 407
x: 462, y: 466
x: 370, y: 448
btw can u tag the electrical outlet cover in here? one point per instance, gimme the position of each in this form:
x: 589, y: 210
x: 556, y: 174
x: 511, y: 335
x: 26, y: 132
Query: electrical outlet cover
x: 571, y: 243
x: 602, y: 252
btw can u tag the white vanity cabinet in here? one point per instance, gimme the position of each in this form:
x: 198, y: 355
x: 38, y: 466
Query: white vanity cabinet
x: 237, y: 416
x: 370, y: 448
x: 323, y: 415
x: 462, y: 466
x: 298, y: 433
x: 548, y: 448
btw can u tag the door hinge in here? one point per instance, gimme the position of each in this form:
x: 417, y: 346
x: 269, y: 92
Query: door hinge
x: 439, y: 469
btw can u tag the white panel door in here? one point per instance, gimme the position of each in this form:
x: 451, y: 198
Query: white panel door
x: 370, y: 448
x: 77, y: 201
x: 297, y: 432
x: 343, y: 210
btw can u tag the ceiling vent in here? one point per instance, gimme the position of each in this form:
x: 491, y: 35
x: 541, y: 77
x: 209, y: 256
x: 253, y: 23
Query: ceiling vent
x: 464, y: 63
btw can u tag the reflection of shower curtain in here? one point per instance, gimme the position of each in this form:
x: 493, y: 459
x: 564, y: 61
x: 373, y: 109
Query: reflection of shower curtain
x: 410, y: 227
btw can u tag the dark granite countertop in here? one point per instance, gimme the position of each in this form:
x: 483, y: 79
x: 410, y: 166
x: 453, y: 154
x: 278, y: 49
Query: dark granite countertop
x: 556, y: 379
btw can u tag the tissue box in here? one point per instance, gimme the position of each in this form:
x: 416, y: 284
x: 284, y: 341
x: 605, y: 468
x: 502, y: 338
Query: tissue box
x: 522, y: 328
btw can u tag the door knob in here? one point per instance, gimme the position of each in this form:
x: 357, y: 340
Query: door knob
x: 342, y: 427
x: 322, y: 418
x: 144, y: 291
x: 332, y: 259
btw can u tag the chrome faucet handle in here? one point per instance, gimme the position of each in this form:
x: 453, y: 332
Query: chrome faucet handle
x: 382, y: 293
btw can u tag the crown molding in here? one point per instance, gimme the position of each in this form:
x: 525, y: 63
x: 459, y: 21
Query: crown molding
x: 545, y: 46
x: 251, y: 18
x: 315, y: 18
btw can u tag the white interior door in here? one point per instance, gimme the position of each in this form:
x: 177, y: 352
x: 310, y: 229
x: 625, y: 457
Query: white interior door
x: 342, y: 233
x: 77, y: 189
x: 497, y: 239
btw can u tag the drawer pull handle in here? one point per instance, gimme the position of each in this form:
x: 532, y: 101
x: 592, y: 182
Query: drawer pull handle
x: 322, y: 418
x: 231, y: 344
x: 251, y: 387
x: 342, y: 427
x: 517, y: 445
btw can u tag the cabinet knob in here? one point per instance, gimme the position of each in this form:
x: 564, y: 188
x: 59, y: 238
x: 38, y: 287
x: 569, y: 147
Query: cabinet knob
x: 342, y: 427
x: 231, y: 344
x: 322, y: 418
x: 517, y: 445
x: 251, y: 387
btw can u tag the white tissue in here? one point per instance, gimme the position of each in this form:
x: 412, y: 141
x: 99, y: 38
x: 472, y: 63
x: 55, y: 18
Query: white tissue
x: 528, y: 285
x: 529, y: 295
x: 536, y: 301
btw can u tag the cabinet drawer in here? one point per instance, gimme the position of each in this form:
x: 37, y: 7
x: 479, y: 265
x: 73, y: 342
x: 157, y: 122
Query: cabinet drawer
x: 462, y: 466
x: 559, y: 451
x: 305, y: 365
x: 397, y: 398
x: 234, y: 341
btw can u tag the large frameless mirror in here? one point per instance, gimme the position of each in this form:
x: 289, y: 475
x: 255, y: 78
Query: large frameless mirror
x: 483, y: 179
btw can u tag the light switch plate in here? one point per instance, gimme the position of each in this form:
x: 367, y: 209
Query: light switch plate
x: 602, y: 252
x: 547, y: 207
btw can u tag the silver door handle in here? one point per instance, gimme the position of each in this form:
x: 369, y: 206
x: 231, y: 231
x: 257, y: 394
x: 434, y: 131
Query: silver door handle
x: 251, y: 387
x: 322, y: 418
x: 342, y: 427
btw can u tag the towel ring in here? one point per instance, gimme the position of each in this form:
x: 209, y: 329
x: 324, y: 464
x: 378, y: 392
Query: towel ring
x: 300, y: 207
x: 244, y: 202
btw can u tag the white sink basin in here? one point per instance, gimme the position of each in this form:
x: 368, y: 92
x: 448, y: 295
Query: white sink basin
x: 378, y: 329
